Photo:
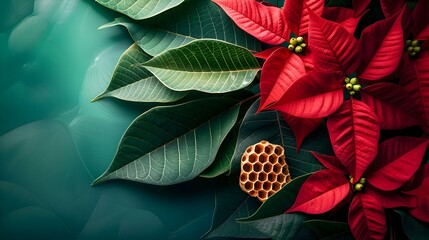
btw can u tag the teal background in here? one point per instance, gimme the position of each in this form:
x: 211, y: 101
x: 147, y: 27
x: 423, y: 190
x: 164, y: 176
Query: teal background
x: 54, y: 142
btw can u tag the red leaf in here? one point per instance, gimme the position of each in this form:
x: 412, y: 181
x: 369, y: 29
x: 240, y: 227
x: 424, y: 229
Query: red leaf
x: 331, y: 162
x: 415, y: 79
x: 279, y: 72
x: 342, y: 16
x: 419, y: 184
x: 334, y: 48
x: 321, y: 192
x: 366, y: 218
x: 360, y: 6
x: 391, y: 7
x: 392, y: 105
x: 397, y: 161
x: 301, y: 127
x: 296, y: 13
x: 267, y: 52
x: 354, y: 133
x: 393, y: 199
x: 421, y: 212
x: 382, y: 46
x: 420, y: 20
x: 266, y: 23
x: 314, y: 95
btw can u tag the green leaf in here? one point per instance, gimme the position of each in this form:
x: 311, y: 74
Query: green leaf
x: 172, y: 144
x: 270, y: 126
x: 279, y: 202
x: 232, y: 203
x: 283, y: 226
x: 183, y: 24
x: 140, y: 9
x: 324, y: 229
x: 132, y: 82
x: 211, y: 66
x: 222, y: 162
x: 413, y: 228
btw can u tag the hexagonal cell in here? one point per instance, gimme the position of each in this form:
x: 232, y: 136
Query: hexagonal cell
x: 277, y: 168
x: 273, y: 159
x: 253, y: 177
x: 243, y: 177
x: 285, y: 170
x: 281, y: 160
x: 272, y: 177
x: 276, y: 186
x: 278, y: 150
x: 249, y: 149
x: 266, y: 186
x: 269, y: 149
x: 258, y: 148
x: 281, y: 178
x: 248, y: 186
x: 258, y: 186
x: 253, y: 158
x: 247, y: 167
x: 263, y: 157
x: 253, y: 193
x: 257, y: 167
x: 268, y: 167
x: 262, y: 195
x: 271, y: 193
x: 262, y: 176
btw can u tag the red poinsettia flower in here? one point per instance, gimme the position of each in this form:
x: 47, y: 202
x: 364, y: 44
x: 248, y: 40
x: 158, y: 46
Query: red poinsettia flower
x: 393, y: 179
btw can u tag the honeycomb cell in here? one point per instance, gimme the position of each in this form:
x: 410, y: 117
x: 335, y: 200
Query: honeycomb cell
x: 262, y: 176
x: 264, y: 170
x: 277, y: 168
x: 263, y: 158
x: 253, y: 177
x: 272, y: 177
x: 257, y: 167
x: 247, y: 167
x: 253, y: 158
x: 269, y: 149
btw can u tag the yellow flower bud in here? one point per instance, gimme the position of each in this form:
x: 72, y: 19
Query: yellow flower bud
x: 357, y: 87
x: 346, y: 80
x: 303, y: 45
x: 359, y: 187
x: 293, y: 41
x: 300, y: 39
x: 349, y: 86
x: 291, y: 47
x: 353, y: 81
x: 415, y: 43
x: 352, y: 92
x: 408, y: 42
x: 416, y: 49
x: 298, y: 49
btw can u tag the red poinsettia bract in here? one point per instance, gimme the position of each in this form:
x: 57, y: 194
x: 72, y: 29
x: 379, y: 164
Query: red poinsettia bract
x: 394, y: 178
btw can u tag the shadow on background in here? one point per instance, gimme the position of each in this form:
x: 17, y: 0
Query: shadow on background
x: 54, y: 142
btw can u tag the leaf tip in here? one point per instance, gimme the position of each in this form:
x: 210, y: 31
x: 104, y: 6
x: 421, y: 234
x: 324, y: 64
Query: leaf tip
x: 100, y: 96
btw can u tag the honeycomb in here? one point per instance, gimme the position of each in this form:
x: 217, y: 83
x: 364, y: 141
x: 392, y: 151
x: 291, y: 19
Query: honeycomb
x: 263, y: 170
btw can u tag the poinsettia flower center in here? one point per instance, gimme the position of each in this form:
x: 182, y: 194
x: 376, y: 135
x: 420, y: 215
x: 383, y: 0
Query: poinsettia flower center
x: 412, y: 46
x: 359, y: 185
x: 297, y: 44
x: 352, y: 85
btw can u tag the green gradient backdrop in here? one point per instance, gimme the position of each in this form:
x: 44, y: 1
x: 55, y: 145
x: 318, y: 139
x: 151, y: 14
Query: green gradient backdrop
x: 54, y: 142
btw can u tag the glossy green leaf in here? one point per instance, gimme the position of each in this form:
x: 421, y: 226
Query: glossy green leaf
x: 232, y: 203
x: 283, y: 227
x: 414, y: 228
x: 328, y: 229
x: 211, y: 66
x: 279, y: 202
x: 172, y: 144
x: 140, y: 9
x: 270, y: 126
x: 132, y: 82
x: 183, y: 24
